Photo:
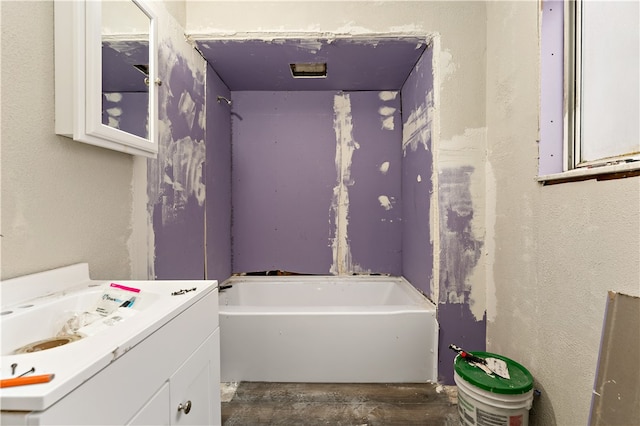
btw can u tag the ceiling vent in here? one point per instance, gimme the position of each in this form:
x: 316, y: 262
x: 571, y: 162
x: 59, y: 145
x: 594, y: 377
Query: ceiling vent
x: 309, y: 70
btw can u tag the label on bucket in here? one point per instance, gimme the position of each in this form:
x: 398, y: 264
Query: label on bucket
x: 471, y: 415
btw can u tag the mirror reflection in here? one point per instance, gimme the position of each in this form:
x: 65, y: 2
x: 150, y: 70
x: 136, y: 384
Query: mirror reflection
x: 125, y: 67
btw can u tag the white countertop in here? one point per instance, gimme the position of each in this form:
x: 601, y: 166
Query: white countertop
x: 76, y: 362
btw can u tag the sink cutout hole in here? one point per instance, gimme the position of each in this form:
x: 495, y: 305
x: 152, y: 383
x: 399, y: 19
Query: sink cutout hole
x: 6, y: 312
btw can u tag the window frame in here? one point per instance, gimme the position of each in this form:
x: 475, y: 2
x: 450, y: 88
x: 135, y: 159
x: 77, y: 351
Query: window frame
x: 624, y: 165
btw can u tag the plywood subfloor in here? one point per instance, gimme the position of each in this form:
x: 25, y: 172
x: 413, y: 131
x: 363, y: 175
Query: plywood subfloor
x: 259, y: 403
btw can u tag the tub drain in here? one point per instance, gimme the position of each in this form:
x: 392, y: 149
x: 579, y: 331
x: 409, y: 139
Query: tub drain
x: 50, y: 343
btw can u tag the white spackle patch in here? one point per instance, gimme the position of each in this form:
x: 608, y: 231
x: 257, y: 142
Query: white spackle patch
x: 114, y: 112
x: 351, y: 29
x: 313, y: 46
x: 202, y: 117
x: 447, y: 66
x: 187, y: 108
x: 228, y: 391
x: 468, y: 150
x: 345, y: 147
x: 186, y: 158
x: 417, y: 129
x: 387, y: 95
x: 387, y: 117
x: 113, y: 96
x: 113, y: 122
x: 386, y: 111
x: 384, y: 167
x: 385, y: 202
x: 419, y: 178
x: 388, y: 123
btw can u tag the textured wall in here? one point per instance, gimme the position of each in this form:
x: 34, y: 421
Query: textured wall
x: 559, y: 248
x: 63, y: 201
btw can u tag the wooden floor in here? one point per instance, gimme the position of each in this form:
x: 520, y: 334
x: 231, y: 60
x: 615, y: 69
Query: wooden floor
x: 258, y: 403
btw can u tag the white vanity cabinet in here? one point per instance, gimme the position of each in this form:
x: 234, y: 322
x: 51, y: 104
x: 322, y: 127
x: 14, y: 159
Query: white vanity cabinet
x: 186, y: 398
x: 171, y: 376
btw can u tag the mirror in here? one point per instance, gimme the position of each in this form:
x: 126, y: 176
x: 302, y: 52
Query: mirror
x: 125, y: 67
x: 106, y: 84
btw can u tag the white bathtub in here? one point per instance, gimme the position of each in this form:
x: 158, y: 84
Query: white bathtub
x: 327, y: 329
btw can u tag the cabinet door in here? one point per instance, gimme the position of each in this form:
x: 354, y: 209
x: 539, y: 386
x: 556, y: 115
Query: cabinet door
x: 155, y: 411
x: 195, y: 387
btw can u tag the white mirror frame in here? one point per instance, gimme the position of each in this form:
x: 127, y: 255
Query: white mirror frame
x: 78, y: 33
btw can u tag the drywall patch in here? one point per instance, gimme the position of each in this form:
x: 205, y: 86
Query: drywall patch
x: 387, y: 117
x: 385, y: 202
x: 388, y: 95
x: 447, y: 66
x: 176, y: 188
x: 418, y: 126
x: 461, y: 250
x: 345, y: 147
x: 384, y: 168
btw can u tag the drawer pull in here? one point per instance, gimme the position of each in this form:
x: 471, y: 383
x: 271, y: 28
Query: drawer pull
x: 185, y: 408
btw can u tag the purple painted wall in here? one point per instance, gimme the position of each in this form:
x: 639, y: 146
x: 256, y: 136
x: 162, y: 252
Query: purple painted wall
x: 176, y: 187
x: 250, y: 65
x: 417, y: 167
x: 218, y: 179
x: 460, y: 253
x: 552, y: 88
x: 459, y: 250
x: 283, y: 174
x: 375, y: 207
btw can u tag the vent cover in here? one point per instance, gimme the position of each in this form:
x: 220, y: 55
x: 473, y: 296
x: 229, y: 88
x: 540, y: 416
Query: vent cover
x: 309, y: 70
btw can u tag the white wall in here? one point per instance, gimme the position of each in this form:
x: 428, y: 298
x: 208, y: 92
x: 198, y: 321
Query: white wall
x: 62, y: 201
x: 558, y: 249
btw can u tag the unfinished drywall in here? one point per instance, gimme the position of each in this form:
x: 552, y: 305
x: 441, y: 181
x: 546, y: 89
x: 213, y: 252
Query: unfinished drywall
x: 616, y: 395
x: 315, y: 182
x: 218, y: 178
x: 375, y: 199
x: 458, y: 103
x: 283, y: 174
x: 63, y: 202
x: 461, y: 26
x: 559, y: 249
x: 176, y: 187
x: 417, y: 176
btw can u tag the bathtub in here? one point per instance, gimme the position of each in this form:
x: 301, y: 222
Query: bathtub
x: 358, y: 329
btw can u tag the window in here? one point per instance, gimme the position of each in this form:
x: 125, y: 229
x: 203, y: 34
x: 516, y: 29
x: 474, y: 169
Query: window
x: 596, y: 56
